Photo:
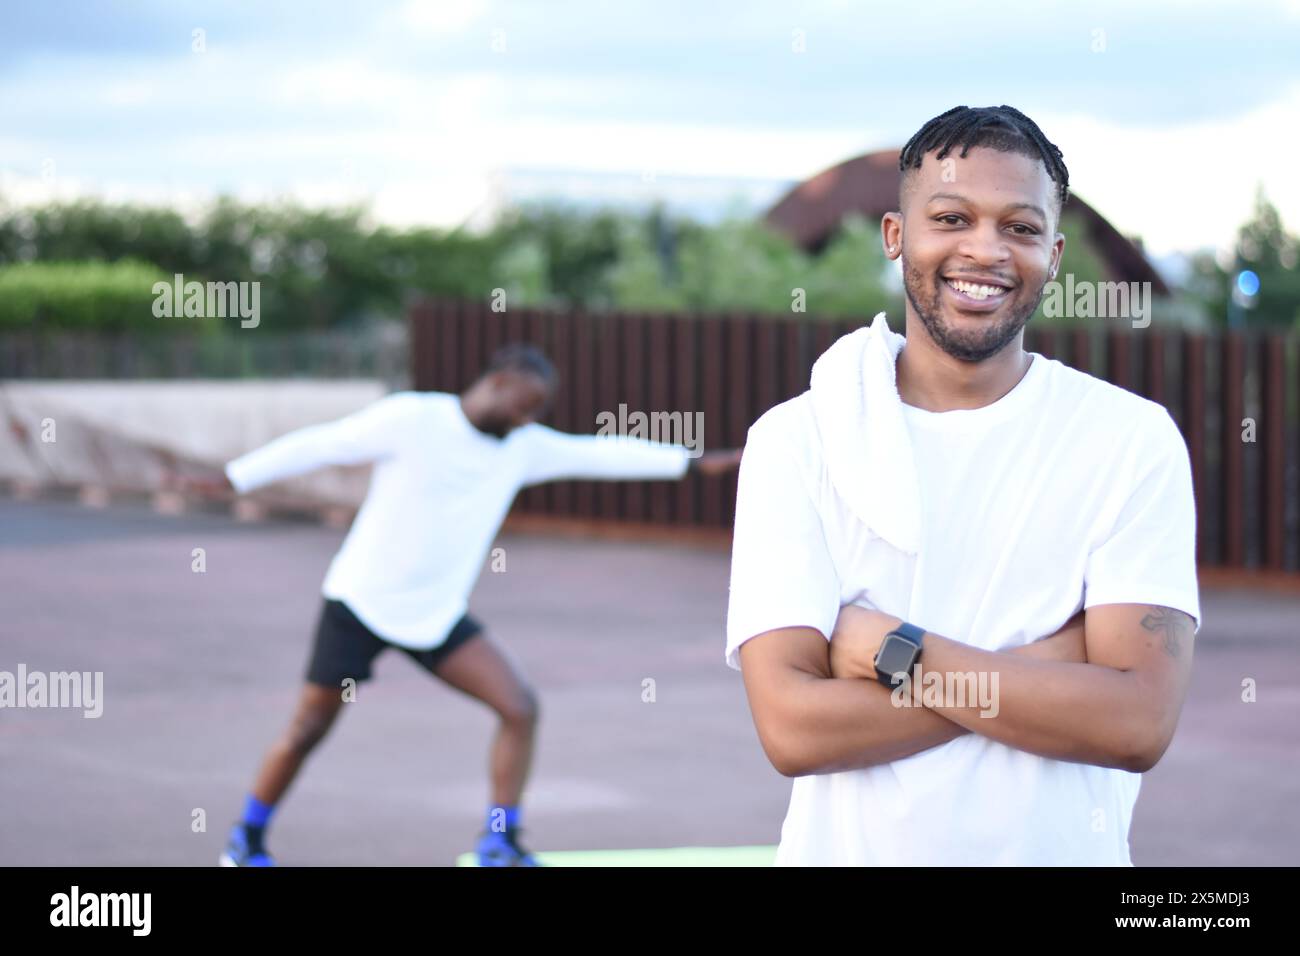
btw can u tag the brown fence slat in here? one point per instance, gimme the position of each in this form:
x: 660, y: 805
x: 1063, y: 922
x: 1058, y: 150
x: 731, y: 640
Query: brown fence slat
x: 1273, y: 437
x: 794, y: 373
x: 742, y: 407
x: 1120, y: 365
x: 659, y: 390
x: 1155, y: 379
x: 583, y: 350
x: 1194, y: 432
x: 824, y: 335
x: 609, y: 329
x: 763, y: 366
x: 1081, y: 349
x: 686, y: 396
x: 1233, y: 451
x: 632, y: 361
x: 712, y: 383
x: 1045, y: 342
x: 471, y: 345
x: 563, y: 416
x: 524, y: 325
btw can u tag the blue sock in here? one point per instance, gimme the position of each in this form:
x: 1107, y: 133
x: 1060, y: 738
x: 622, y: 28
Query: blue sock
x: 256, y: 813
x: 497, y: 816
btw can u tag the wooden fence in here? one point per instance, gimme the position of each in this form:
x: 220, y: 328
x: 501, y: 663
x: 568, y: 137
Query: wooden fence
x: 734, y: 367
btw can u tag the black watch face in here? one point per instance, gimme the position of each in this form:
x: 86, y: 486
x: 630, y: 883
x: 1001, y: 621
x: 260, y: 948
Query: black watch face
x: 896, y: 655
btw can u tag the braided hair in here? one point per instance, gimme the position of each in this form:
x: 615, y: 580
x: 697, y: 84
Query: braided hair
x: 997, y: 127
x: 521, y: 357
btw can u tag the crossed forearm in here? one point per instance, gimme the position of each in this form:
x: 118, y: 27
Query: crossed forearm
x: 847, y: 723
x: 831, y: 724
x: 1080, y: 712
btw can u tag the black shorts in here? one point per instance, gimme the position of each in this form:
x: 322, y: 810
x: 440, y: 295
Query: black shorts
x: 345, y: 647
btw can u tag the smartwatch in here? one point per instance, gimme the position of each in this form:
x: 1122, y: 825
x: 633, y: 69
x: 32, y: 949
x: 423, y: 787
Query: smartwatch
x: 898, y: 654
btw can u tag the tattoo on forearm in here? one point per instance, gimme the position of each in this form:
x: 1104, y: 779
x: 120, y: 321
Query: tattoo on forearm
x: 1171, y: 625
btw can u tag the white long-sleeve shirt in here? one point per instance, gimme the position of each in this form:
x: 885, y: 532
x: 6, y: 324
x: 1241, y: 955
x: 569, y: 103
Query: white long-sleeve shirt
x: 438, y: 493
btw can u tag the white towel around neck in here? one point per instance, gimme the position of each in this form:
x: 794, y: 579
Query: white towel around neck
x: 864, y: 436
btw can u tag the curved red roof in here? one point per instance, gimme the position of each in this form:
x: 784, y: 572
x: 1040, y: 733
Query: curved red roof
x: 811, y: 212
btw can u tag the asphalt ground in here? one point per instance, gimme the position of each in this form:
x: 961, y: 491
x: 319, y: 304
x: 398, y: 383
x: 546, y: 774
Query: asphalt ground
x: 201, y: 671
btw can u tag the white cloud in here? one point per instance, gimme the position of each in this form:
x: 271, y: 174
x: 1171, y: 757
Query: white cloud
x: 412, y: 112
x: 439, y: 17
x: 342, y: 82
x: 1188, y: 186
x: 682, y: 149
x: 127, y: 94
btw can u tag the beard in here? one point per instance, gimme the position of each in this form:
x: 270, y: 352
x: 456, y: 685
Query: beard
x: 974, y: 345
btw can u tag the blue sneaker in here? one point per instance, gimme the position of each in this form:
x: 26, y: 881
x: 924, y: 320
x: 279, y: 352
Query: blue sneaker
x: 503, y: 849
x: 245, y: 848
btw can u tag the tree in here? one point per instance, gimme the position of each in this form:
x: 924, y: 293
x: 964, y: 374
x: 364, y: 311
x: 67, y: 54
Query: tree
x: 1267, y: 249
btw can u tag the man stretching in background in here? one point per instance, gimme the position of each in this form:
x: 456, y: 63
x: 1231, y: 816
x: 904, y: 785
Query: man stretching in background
x: 446, y: 469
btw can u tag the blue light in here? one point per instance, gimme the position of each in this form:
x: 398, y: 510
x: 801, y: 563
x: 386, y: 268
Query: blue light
x: 1247, y: 283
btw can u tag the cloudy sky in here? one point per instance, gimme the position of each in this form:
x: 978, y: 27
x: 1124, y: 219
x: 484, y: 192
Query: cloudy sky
x: 1170, y: 114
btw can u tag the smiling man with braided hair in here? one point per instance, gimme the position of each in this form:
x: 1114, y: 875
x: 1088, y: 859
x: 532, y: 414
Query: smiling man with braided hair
x: 949, y: 504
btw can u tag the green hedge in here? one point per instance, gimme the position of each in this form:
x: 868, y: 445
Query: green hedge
x: 105, y: 296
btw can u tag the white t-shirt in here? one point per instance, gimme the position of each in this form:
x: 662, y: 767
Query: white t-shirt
x: 438, y: 493
x: 1067, y: 492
